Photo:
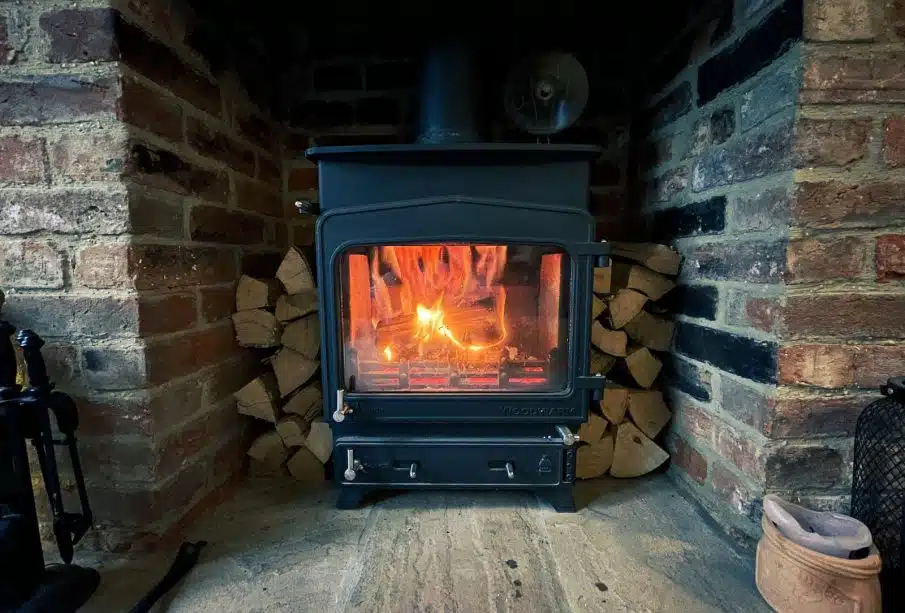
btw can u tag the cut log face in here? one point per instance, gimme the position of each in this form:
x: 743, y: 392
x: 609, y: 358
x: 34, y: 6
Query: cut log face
x: 597, y: 308
x: 592, y: 430
x: 304, y: 336
x: 649, y: 411
x: 601, y: 363
x: 295, y: 273
x: 254, y: 293
x: 305, y: 467
x: 292, y: 370
x: 642, y: 279
x: 612, y: 342
x: 635, y: 454
x: 256, y: 328
x: 602, y: 280
x: 269, y: 450
x: 307, y: 403
x: 624, y: 306
x: 660, y: 258
x: 320, y: 441
x: 643, y: 366
x: 293, y: 430
x: 594, y: 460
x: 260, y: 398
x: 651, y: 331
x: 290, y: 307
x: 614, y: 403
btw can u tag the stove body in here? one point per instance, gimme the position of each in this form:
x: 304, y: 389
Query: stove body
x: 455, y: 286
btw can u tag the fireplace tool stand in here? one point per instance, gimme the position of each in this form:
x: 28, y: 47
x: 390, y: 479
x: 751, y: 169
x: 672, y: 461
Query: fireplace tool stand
x: 26, y: 585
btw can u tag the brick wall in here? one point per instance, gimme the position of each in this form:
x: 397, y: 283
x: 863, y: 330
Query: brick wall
x: 714, y: 160
x: 135, y: 185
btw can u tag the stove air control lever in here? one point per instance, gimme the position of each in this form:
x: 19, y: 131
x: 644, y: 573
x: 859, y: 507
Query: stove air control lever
x: 510, y: 470
x: 352, y: 466
x: 342, y: 409
x: 569, y: 438
x: 413, y: 470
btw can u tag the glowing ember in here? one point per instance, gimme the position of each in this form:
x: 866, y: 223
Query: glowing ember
x: 388, y: 353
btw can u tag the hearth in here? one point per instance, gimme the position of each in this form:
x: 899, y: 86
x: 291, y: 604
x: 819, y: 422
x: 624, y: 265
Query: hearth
x: 456, y: 293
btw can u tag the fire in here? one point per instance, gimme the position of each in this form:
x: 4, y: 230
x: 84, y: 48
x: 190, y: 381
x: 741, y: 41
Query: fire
x: 388, y: 353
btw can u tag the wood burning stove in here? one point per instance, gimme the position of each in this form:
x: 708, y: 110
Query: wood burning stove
x: 456, y: 296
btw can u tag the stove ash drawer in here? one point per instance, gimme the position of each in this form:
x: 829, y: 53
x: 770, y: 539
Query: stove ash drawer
x: 449, y: 464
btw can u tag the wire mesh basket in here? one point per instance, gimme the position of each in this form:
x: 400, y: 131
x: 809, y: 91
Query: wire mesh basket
x: 878, y: 485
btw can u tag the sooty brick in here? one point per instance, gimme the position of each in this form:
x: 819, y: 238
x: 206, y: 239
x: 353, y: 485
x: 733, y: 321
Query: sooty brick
x: 739, y: 355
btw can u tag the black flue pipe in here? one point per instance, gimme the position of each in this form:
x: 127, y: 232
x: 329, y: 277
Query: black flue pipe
x: 448, y: 95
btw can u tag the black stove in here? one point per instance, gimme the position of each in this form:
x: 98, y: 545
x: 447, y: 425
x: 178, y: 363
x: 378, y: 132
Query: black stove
x: 456, y: 300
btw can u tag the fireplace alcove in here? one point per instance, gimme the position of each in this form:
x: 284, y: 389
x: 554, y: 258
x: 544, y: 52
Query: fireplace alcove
x: 729, y: 129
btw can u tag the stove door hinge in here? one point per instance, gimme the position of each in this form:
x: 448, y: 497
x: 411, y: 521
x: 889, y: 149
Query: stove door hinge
x: 598, y: 252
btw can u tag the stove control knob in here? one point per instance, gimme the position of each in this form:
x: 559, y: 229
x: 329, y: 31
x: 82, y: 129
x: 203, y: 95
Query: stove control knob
x: 510, y: 470
x: 352, y: 466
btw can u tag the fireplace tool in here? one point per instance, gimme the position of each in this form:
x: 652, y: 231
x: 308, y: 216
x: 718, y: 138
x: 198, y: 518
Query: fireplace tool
x: 26, y: 585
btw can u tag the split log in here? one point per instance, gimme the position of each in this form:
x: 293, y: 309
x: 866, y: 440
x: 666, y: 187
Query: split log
x: 635, y: 454
x: 602, y: 280
x: 624, y: 306
x: 260, y: 398
x: 614, y: 403
x: 320, y: 440
x: 612, y: 342
x: 295, y: 273
x: 307, y: 403
x: 645, y: 280
x: 643, y: 366
x: 601, y: 363
x: 649, y: 411
x: 294, y: 306
x: 597, y: 308
x: 256, y: 328
x: 293, y: 430
x: 254, y: 293
x: 305, y: 467
x: 651, y: 331
x: 292, y: 370
x: 401, y: 330
x: 592, y: 430
x: 269, y: 450
x: 594, y: 460
x: 303, y: 335
x: 660, y: 258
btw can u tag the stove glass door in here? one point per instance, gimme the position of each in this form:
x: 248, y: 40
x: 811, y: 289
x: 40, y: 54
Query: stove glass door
x: 454, y: 318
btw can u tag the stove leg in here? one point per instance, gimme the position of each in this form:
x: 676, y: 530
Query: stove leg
x: 561, y: 498
x: 350, y: 497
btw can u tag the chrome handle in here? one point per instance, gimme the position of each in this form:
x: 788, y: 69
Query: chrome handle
x: 413, y: 470
x: 510, y: 470
x: 342, y: 409
x: 569, y: 438
x: 351, y: 465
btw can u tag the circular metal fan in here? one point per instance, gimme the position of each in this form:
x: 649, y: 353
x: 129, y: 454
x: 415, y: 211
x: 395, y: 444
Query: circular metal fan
x: 546, y: 94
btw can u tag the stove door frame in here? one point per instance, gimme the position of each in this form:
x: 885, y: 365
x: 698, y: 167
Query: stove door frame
x: 501, y: 221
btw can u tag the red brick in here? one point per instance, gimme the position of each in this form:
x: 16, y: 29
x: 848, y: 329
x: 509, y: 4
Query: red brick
x: 810, y: 466
x: 188, y: 353
x: 796, y: 416
x: 156, y: 214
x: 688, y: 459
x: 217, y: 225
x: 894, y: 142
x: 149, y: 110
x: 836, y: 366
x: 262, y: 263
x: 697, y: 423
x: 834, y: 204
x: 841, y: 20
x: 130, y: 460
x: 825, y: 258
x: 270, y: 172
x: 69, y: 315
x: 759, y: 312
x: 303, y: 234
x: 115, y: 415
x: 217, y: 303
x: 845, y: 316
x: 831, y: 142
x: 255, y: 196
x: 104, y: 266
x: 30, y: 265
x: 878, y: 72
x: 733, y: 490
x: 89, y: 157
x: 21, y: 160
x: 166, y: 170
x: 303, y: 178
x: 228, y: 377
x: 890, y: 257
x: 739, y: 449
x: 896, y: 17
x: 211, y: 143
x: 166, y: 314
x: 64, y: 211
x: 50, y: 99
x: 81, y: 35
x: 257, y: 130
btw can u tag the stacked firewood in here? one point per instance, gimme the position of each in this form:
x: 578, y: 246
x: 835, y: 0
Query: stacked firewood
x: 629, y: 333
x: 281, y: 316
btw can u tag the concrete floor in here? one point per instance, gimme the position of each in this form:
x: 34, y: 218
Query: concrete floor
x: 637, y: 547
